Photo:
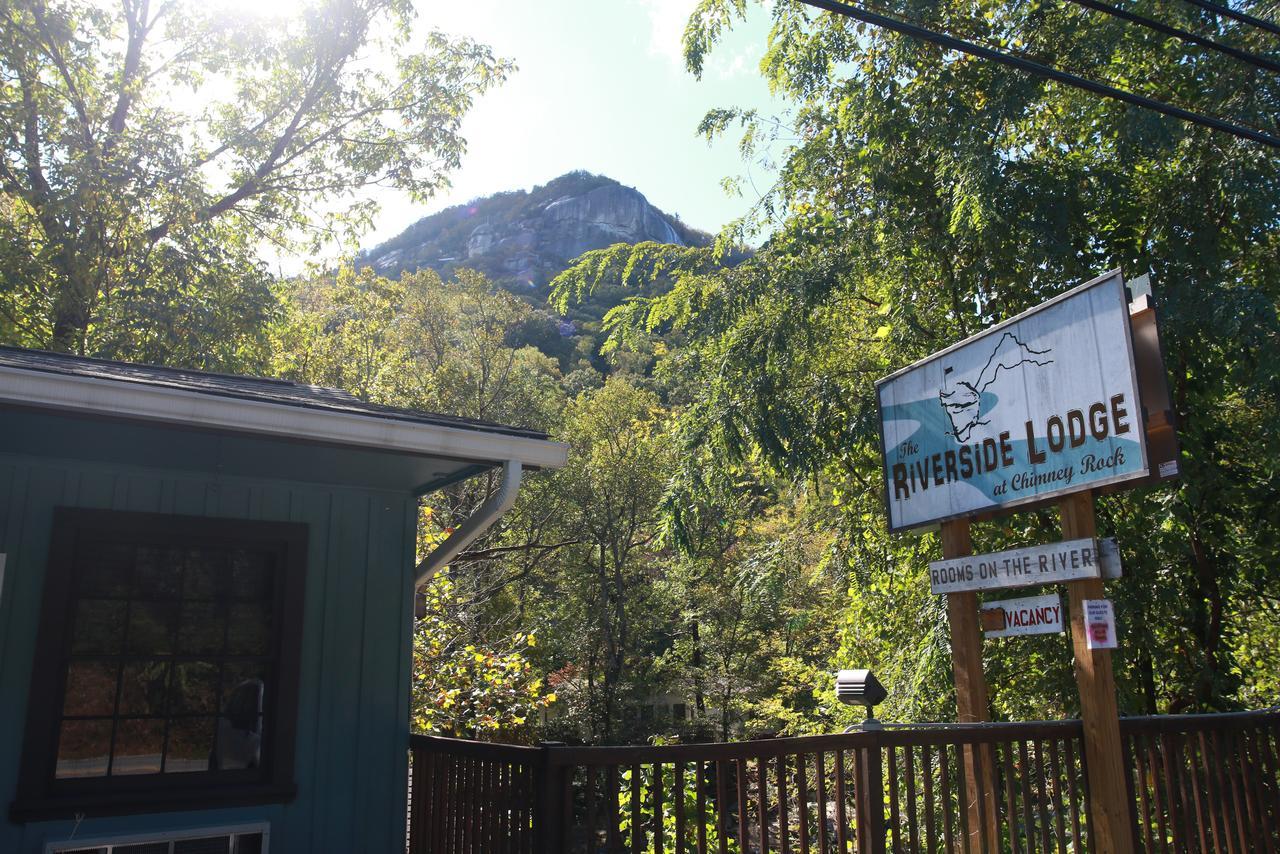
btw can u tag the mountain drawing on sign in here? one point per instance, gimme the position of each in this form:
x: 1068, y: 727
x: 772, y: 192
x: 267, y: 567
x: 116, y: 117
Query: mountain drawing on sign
x: 963, y: 404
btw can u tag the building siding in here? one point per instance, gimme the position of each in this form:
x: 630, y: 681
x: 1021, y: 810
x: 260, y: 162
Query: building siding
x: 352, y: 728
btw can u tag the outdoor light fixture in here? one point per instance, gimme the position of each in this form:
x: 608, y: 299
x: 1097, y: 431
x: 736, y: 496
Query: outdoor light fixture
x: 860, y: 688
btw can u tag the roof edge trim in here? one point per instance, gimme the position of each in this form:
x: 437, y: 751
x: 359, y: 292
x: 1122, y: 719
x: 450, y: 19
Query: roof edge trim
x: 97, y: 396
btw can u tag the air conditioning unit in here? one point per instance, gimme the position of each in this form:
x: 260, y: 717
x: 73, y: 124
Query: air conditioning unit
x: 241, y: 839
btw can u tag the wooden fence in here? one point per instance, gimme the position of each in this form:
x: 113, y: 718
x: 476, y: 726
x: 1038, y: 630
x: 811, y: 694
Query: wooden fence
x: 1197, y: 783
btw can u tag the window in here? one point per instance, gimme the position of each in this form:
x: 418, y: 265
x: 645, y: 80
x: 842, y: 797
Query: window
x: 167, y: 662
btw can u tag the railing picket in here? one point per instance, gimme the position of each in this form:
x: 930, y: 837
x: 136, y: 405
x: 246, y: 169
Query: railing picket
x: 784, y: 819
x: 802, y: 802
x: 926, y: 777
x: 842, y: 834
x: 762, y: 805
x: 589, y: 795
x: 1144, y: 801
x: 913, y: 830
x: 1073, y: 770
x: 1010, y: 799
x: 722, y: 798
x: 945, y: 779
x: 1024, y: 772
x: 1042, y: 797
x: 895, y: 817
x: 962, y: 799
x: 822, y: 803
x: 700, y: 782
x: 1055, y: 769
x: 744, y: 817
x: 613, y: 832
x: 637, y: 831
x: 657, y: 808
x: 677, y: 801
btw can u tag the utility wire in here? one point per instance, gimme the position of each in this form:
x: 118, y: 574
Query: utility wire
x: 1179, y: 33
x: 1040, y: 70
x: 1242, y: 17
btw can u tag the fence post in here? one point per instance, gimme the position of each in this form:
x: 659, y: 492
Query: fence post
x: 548, y: 809
x: 869, y: 792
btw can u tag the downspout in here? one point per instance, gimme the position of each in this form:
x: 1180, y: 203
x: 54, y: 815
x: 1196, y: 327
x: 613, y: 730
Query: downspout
x: 475, y: 525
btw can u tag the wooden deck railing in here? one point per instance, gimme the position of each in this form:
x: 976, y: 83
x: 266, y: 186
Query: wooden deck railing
x: 1198, y: 783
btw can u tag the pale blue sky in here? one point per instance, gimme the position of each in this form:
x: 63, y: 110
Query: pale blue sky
x: 601, y: 86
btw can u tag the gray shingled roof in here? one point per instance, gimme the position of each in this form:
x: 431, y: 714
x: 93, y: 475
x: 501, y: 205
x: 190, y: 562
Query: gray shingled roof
x: 264, y: 389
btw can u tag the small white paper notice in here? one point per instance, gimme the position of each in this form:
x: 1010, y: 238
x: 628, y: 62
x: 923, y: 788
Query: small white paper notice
x: 1099, y: 624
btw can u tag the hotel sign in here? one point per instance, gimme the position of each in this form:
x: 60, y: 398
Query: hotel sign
x: 1048, y: 564
x: 1042, y: 405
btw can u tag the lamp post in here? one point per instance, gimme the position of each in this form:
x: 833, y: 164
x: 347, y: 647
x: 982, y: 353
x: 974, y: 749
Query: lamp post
x: 862, y: 688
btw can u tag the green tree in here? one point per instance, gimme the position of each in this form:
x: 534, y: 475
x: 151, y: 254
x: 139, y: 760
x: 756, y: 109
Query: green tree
x: 611, y: 491
x: 147, y: 150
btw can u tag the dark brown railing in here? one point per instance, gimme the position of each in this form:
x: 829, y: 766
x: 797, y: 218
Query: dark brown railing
x: 1199, y: 783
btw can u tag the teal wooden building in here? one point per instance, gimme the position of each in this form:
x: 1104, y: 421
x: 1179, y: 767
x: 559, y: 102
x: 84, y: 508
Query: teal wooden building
x: 206, y: 597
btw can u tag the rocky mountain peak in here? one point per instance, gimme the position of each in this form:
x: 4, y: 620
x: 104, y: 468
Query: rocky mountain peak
x: 523, y: 239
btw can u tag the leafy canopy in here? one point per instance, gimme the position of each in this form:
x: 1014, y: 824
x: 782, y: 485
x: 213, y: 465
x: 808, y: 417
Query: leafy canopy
x: 149, y: 147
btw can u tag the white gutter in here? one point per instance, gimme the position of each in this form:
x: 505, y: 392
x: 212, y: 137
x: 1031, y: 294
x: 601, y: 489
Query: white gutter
x: 475, y: 525
x: 94, y: 395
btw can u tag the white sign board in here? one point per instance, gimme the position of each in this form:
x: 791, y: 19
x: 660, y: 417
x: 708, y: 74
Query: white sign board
x: 1047, y: 564
x: 1039, y: 406
x: 1031, y: 615
x: 1099, y: 624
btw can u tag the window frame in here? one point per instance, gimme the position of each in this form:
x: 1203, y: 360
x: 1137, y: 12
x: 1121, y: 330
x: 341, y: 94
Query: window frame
x: 39, y: 793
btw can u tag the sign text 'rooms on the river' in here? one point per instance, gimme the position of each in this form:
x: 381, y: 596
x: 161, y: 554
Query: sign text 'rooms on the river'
x: 1040, y: 406
x: 1026, y: 567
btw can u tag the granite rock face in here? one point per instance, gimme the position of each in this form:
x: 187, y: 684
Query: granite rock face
x: 522, y: 240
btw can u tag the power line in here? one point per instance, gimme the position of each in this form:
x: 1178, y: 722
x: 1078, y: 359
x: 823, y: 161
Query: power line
x: 1242, y: 17
x: 1040, y: 70
x: 1179, y: 33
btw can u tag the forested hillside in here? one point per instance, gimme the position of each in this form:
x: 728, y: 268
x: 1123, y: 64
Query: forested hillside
x: 716, y: 546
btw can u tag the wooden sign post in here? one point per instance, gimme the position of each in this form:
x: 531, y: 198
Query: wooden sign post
x: 971, y: 691
x: 1099, y: 712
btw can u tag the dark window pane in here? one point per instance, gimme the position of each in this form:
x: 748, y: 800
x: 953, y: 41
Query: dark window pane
x: 139, y: 744
x: 194, y: 689
x: 91, y: 688
x: 82, y: 749
x: 190, y: 745
x: 99, y: 627
x: 103, y: 569
x: 249, y: 843
x: 209, y: 845
x: 159, y: 573
x: 251, y: 575
x: 142, y: 687
x: 142, y: 848
x: 249, y: 632
x: 206, y: 574
x: 151, y: 627
x: 201, y: 628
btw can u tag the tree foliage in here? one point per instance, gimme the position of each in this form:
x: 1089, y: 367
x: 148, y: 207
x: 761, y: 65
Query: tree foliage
x: 148, y: 148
